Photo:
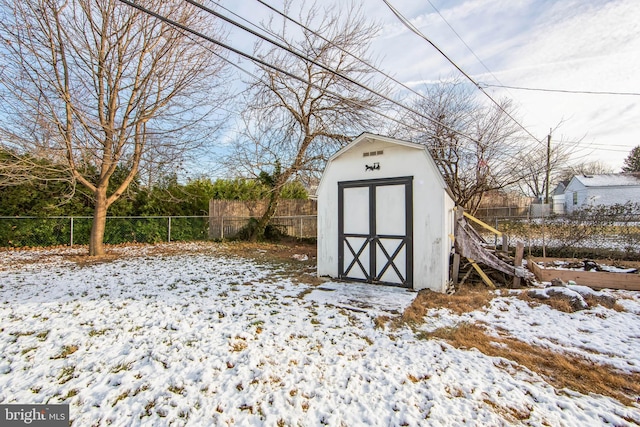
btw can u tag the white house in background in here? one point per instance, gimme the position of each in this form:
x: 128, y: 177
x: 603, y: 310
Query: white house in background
x: 557, y: 198
x: 606, y: 189
x: 385, y: 215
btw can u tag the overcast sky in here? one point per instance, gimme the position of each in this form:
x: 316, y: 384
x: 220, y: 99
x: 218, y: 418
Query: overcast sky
x: 575, y: 45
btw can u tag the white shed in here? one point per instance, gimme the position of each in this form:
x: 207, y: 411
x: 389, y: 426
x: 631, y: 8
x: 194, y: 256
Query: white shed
x: 605, y: 189
x: 385, y: 215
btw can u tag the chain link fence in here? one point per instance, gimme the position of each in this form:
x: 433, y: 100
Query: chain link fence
x: 514, y: 212
x: 69, y: 231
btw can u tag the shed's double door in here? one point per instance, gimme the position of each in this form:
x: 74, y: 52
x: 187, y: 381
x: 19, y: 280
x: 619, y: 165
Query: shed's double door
x: 376, y: 231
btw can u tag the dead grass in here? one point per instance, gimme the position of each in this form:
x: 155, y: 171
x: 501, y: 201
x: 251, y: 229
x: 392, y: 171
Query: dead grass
x: 513, y: 415
x: 415, y: 379
x: 238, y: 344
x: 87, y: 261
x: 559, y: 370
x: 558, y: 302
x: 380, y: 321
x: 465, y: 300
x: 566, y: 304
x: 67, y: 350
x: 605, y: 301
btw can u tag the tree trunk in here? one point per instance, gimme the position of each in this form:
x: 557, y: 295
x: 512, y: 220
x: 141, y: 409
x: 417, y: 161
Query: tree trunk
x: 274, y: 198
x: 96, y: 245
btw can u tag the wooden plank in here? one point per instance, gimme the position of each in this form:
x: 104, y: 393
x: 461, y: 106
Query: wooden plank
x: 466, y: 276
x: 629, y: 264
x: 592, y: 279
x: 483, y: 224
x: 482, y: 274
x: 517, y: 262
x: 455, y: 268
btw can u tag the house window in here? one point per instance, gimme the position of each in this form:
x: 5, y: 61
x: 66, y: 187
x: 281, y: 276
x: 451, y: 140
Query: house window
x: 575, y: 198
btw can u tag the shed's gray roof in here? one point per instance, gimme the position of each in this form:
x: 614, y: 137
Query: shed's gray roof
x: 610, y: 180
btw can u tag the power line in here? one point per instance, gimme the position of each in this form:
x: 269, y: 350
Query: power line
x: 595, y: 143
x: 465, y: 43
x: 580, y: 92
x: 373, y: 67
x: 462, y: 40
x: 318, y: 64
x: 293, y: 76
x: 301, y: 25
x: 287, y: 17
x: 591, y: 146
x: 278, y: 69
x: 595, y: 146
x: 415, y: 30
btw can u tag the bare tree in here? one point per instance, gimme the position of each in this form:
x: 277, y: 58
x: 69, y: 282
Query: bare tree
x: 294, y: 124
x: 109, y: 86
x: 534, y: 167
x: 474, y: 145
x: 594, y: 167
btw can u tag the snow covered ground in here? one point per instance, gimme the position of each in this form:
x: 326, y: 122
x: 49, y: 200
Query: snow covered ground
x: 200, y: 338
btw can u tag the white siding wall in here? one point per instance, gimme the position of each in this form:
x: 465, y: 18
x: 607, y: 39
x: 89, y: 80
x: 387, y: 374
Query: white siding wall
x: 570, y: 200
x: 589, y: 196
x: 611, y: 195
x: 432, y: 208
x: 558, y: 204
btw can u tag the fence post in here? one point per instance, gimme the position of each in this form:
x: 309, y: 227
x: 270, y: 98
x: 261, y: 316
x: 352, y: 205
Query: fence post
x: 169, y: 231
x: 71, y: 233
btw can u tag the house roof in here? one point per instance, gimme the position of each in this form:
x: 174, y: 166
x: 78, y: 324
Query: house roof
x: 610, y: 180
x: 559, y: 190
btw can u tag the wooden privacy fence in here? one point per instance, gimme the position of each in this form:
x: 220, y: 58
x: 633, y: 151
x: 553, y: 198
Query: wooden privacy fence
x: 255, y: 208
x: 296, y: 226
x: 296, y: 218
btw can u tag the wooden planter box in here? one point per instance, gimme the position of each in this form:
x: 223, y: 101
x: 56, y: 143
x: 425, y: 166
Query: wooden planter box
x: 593, y: 279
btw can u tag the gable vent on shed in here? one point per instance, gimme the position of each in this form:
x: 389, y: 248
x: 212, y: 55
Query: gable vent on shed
x: 373, y: 153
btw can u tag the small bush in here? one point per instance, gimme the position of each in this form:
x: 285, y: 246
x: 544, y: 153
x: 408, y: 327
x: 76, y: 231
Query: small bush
x: 272, y: 232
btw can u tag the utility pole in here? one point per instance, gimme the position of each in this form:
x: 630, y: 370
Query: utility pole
x: 546, y: 199
x: 544, y: 244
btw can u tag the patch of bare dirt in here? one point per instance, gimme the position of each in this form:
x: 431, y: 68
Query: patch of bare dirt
x: 295, y: 253
x: 284, y: 251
